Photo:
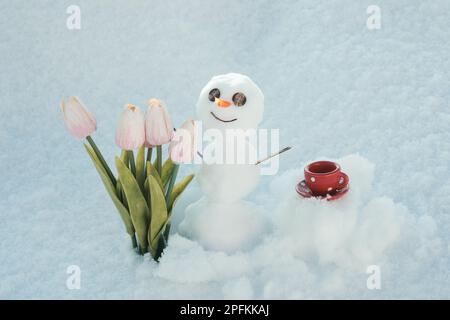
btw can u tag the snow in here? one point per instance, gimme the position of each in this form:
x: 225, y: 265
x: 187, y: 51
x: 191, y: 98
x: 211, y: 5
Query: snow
x: 228, y: 227
x: 376, y: 101
x: 236, y: 180
x: 354, y: 232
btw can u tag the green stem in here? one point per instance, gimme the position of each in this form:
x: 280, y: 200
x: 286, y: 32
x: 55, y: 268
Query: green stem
x: 159, y: 159
x: 102, y: 160
x: 160, y: 249
x: 142, y: 251
x: 149, y: 159
x: 123, y: 157
x: 149, y: 154
x: 133, y: 241
x: 171, y: 183
x: 132, y: 163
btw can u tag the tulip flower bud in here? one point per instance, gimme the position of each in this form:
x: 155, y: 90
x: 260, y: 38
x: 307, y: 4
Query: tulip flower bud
x: 183, y: 145
x: 130, y: 133
x: 158, y: 126
x: 79, y: 121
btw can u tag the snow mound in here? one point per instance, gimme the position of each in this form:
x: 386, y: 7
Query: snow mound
x: 316, y: 248
x: 357, y: 231
x: 187, y: 261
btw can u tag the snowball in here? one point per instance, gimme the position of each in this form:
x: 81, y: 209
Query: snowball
x: 228, y: 182
x: 247, y: 116
x: 227, y: 227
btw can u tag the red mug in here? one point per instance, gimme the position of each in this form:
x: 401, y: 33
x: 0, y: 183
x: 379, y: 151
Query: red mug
x: 325, y: 177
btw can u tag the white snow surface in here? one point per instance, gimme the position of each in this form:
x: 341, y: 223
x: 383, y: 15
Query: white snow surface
x: 229, y: 227
x: 375, y: 101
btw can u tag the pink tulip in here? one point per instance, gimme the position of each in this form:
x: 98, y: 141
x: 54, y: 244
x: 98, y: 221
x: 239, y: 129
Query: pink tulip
x: 130, y: 133
x: 148, y: 145
x: 158, y: 127
x: 183, y: 146
x: 79, y: 121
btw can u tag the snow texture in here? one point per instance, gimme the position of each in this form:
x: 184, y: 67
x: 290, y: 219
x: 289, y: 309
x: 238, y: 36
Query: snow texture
x: 229, y: 226
x: 376, y: 101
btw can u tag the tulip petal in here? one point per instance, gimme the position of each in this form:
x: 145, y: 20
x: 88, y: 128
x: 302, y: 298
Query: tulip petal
x: 78, y: 119
x: 130, y: 132
x: 182, y: 148
x: 158, y: 126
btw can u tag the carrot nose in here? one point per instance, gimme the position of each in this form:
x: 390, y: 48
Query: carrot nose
x: 222, y: 103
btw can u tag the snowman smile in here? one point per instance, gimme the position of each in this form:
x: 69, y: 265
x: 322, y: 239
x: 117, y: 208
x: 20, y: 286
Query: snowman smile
x: 217, y: 118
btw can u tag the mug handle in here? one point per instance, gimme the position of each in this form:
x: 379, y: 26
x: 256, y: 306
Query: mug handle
x: 344, y: 182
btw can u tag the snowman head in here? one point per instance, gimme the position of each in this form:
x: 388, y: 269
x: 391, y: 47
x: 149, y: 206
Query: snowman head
x: 230, y: 101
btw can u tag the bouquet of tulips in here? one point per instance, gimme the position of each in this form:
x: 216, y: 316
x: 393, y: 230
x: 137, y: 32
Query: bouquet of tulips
x: 144, y: 192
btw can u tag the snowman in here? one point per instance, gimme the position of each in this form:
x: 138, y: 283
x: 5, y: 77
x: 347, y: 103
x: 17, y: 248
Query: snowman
x: 221, y: 219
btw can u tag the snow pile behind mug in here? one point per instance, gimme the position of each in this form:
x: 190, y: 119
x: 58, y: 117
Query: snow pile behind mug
x: 317, y: 248
x: 355, y: 232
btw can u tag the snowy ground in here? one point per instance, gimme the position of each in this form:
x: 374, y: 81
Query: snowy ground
x: 376, y: 101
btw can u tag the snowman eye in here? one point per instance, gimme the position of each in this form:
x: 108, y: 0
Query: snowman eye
x: 213, y: 94
x: 239, y: 99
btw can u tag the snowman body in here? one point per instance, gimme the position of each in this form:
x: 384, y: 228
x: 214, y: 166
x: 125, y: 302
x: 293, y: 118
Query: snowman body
x: 221, y: 219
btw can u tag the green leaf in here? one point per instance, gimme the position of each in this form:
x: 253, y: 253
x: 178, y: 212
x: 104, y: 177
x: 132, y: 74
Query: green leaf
x: 166, y: 172
x: 140, y: 166
x: 101, y: 159
x: 124, y: 214
x: 147, y: 198
x: 151, y: 171
x: 162, y: 243
x: 121, y: 195
x: 167, y: 231
x: 178, y: 189
x: 139, y: 211
x: 159, y: 214
x: 124, y: 157
x: 119, y: 190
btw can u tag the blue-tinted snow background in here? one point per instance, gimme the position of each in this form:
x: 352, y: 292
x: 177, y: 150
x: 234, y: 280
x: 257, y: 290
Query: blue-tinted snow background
x: 334, y: 88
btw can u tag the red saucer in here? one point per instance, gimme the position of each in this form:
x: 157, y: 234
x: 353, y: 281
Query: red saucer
x: 303, y: 191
